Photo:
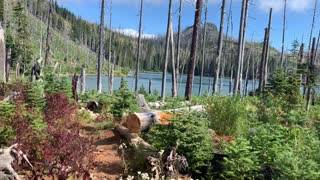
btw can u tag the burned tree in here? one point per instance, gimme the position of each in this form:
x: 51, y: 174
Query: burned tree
x: 194, y: 47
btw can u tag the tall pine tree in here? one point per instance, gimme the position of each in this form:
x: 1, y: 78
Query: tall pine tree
x: 23, y: 48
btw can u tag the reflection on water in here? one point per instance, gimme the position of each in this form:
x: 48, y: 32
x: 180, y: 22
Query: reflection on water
x: 91, y: 83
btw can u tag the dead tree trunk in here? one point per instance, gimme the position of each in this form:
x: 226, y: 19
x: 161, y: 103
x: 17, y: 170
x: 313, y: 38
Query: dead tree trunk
x: 178, y: 43
x: 310, y: 74
x: 283, y: 32
x: 139, y: 47
x: 203, y: 47
x: 225, y: 45
x: 219, y: 50
x: 165, y: 66
x: 46, y: 59
x: 265, y: 56
x: 101, y: 49
x: 174, y: 78
x: 262, y: 63
x: 83, y: 79
x: 2, y: 56
x: 253, y: 74
x: 194, y: 47
x: 109, y: 53
x: 237, y: 82
x: 312, y: 26
x: 268, y: 46
x: 75, y: 87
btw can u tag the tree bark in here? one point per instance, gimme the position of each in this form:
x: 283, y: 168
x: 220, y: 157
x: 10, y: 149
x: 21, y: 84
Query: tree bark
x: 237, y: 82
x: 3, y: 63
x: 174, y: 78
x: 310, y: 79
x: 262, y: 64
x: 219, y: 50
x: 193, y: 53
x: 203, y: 47
x: 101, y: 49
x: 110, y: 47
x: 283, y: 31
x: 268, y: 46
x: 225, y: 45
x: 83, y: 79
x: 178, y: 43
x: 48, y: 39
x: 139, y: 47
x: 165, y: 66
x: 312, y: 26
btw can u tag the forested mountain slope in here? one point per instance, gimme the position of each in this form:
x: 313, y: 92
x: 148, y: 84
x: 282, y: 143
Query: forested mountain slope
x: 75, y: 41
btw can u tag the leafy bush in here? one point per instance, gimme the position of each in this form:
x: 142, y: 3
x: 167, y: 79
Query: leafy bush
x: 274, y: 151
x: 286, y: 89
x: 54, y: 84
x: 191, y: 132
x: 227, y: 115
x: 35, y: 96
x: 241, y: 161
x: 123, y: 101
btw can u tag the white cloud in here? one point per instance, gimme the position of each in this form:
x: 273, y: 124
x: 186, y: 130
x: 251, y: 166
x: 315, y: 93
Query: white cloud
x: 292, y: 5
x: 134, y: 33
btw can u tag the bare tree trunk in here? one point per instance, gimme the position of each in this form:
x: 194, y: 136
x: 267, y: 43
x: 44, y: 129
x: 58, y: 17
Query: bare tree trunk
x: 237, y: 81
x: 268, y: 46
x: 194, y: 47
x: 253, y: 75
x: 112, y: 73
x: 164, y: 74
x: 139, y: 46
x: 310, y: 79
x: 225, y: 45
x: 46, y: 59
x: 174, y: 78
x: 2, y: 56
x: 101, y: 49
x: 219, y: 50
x: 203, y: 47
x: 83, y: 79
x: 312, y: 26
x: 109, y: 54
x: 262, y: 63
x: 231, y: 78
x: 265, y: 56
x: 283, y: 31
x: 178, y: 43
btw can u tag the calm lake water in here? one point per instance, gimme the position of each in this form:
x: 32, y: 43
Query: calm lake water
x: 91, y: 83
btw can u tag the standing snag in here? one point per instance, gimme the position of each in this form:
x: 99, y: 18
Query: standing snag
x: 194, y: 47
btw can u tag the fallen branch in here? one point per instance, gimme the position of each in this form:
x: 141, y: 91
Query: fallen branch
x: 6, y: 159
x: 132, y: 138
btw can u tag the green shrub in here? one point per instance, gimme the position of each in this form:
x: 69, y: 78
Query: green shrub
x: 35, y: 96
x: 227, y: 115
x: 191, y: 132
x: 285, y: 88
x: 55, y: 84
x: 123, y: 101
x: 241, y: 161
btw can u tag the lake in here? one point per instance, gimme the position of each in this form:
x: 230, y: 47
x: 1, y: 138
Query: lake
x: 91, y: 83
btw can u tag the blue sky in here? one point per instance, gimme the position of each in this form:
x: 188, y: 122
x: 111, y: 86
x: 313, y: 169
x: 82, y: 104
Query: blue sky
x: 125, y: 16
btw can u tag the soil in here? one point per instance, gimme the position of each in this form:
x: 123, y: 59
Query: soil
x: 105, y: 155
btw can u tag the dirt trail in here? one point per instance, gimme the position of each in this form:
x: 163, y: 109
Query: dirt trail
x: 106, y: 159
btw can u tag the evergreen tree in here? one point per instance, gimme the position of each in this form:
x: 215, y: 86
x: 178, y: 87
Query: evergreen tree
x: 23, y: 47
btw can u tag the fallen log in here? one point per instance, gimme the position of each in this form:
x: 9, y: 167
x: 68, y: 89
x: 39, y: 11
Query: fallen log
x: 137, y: 122
x: 197, y: 108
x: 132, y: 138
